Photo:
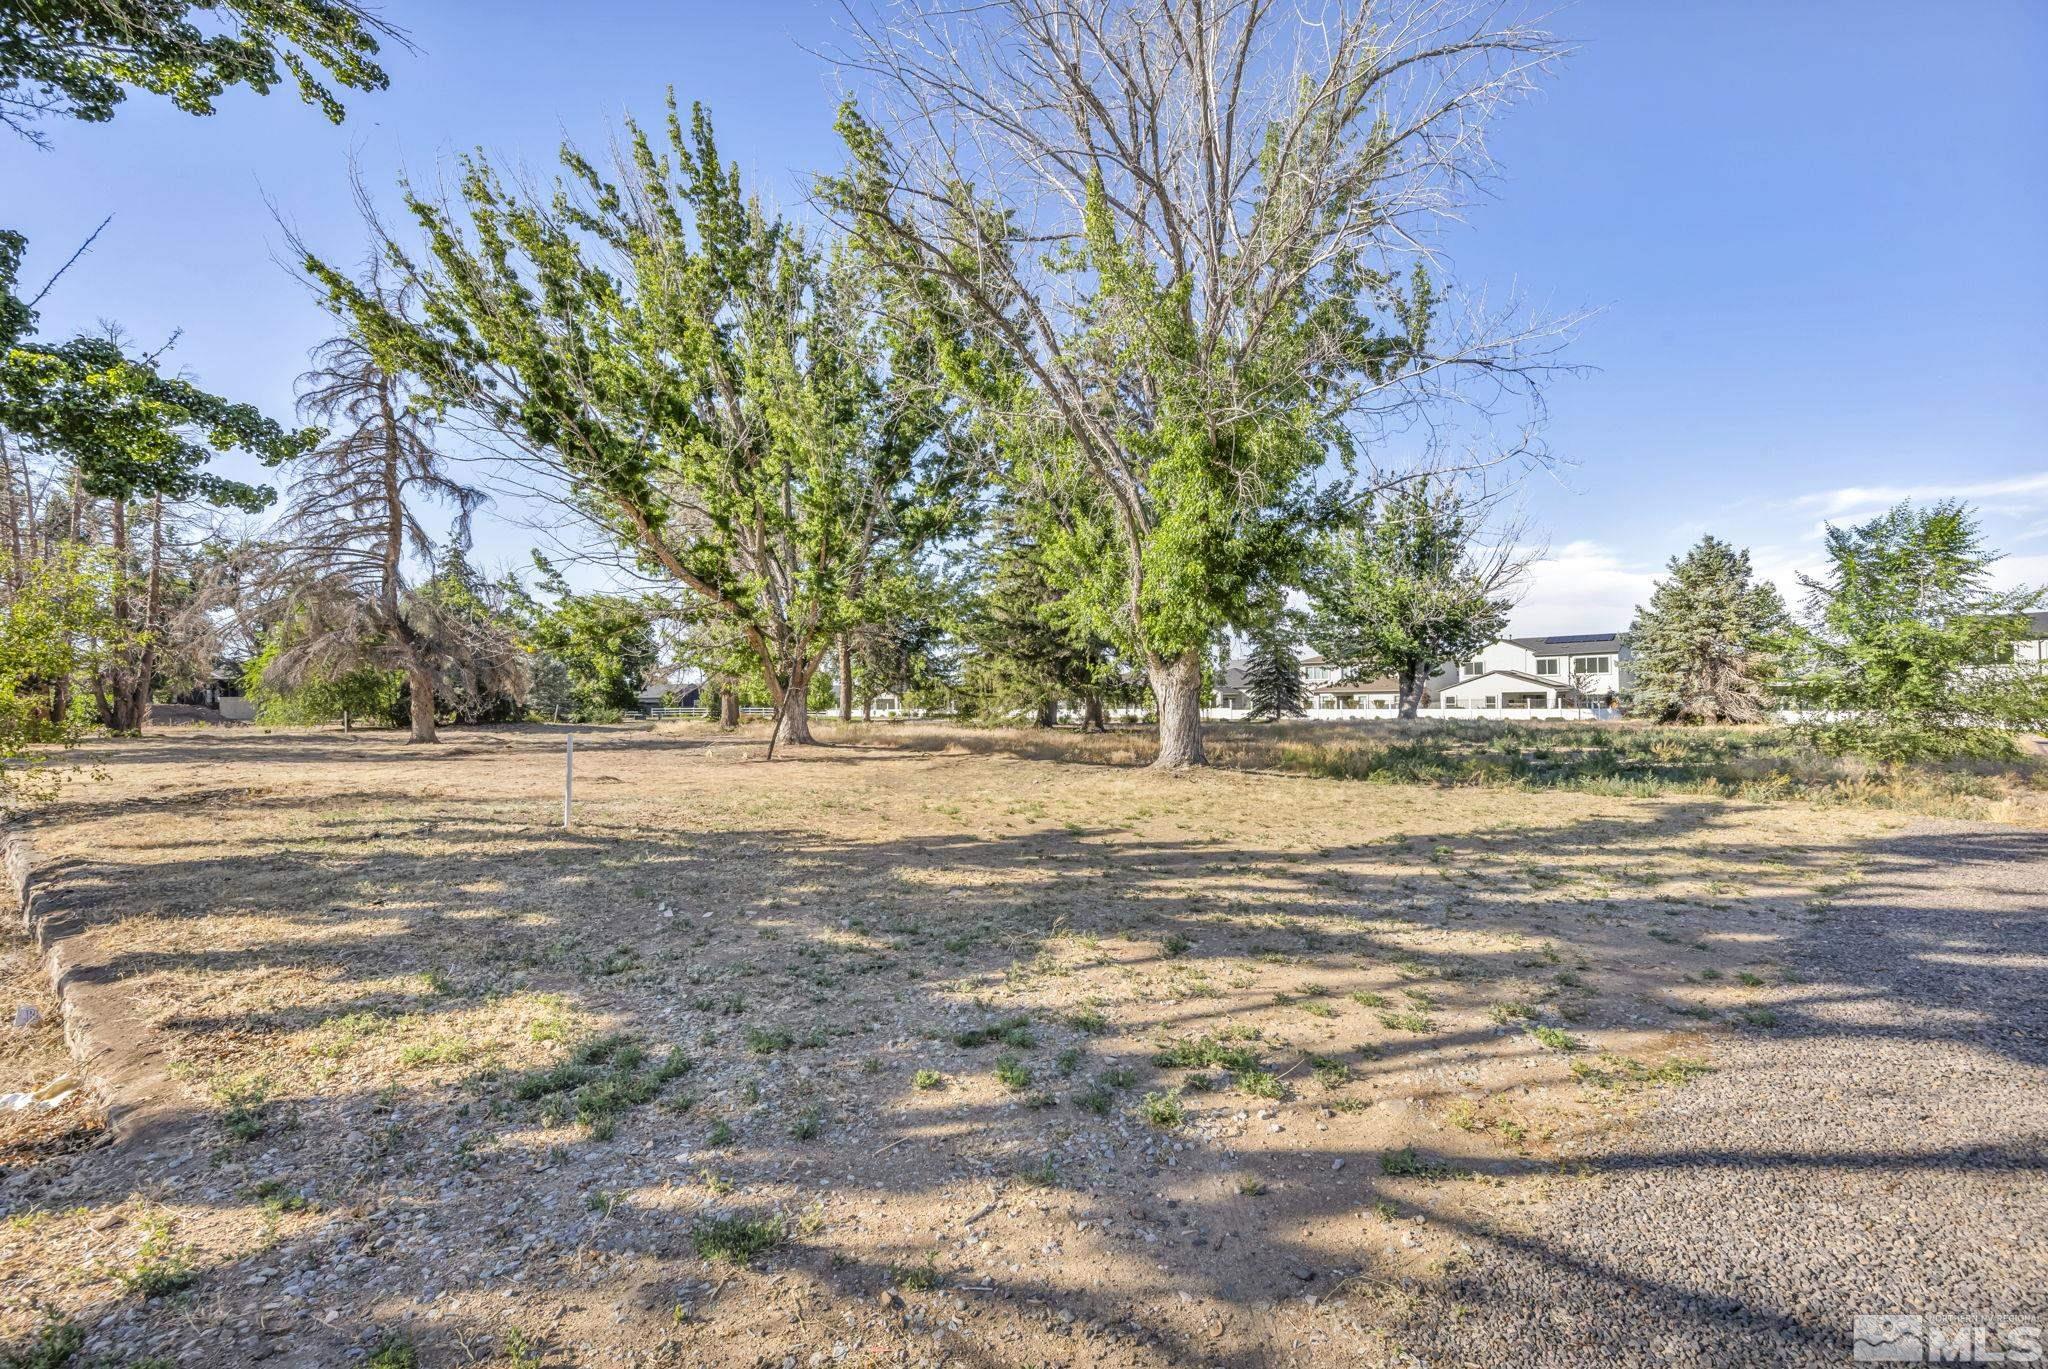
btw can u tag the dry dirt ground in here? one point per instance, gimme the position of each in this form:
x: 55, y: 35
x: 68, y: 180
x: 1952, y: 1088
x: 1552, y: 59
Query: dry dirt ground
x: 865, y: 1056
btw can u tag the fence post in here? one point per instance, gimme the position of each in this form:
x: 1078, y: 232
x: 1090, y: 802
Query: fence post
x: 568, y: 775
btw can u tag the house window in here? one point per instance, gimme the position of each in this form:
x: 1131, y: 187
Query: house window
x: 1592, y: 665
x: 1492, y: 701
x: 1471, y: 668
x: 1547, y: 665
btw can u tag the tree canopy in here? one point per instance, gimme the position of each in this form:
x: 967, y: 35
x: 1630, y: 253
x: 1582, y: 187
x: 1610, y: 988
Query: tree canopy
x: 1906, y: 649
x: 1409, y: 586
x: 78, y: 59
x: 731, y: 402
x: 1706, y: 649
x: 1192, y: 262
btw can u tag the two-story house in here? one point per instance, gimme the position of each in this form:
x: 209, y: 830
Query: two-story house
x: 1577, y: 670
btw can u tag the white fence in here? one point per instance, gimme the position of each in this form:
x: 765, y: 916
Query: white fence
x: 1361, y: 715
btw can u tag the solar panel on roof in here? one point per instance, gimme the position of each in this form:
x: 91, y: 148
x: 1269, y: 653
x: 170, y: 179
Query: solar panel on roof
x: 1580, y: 637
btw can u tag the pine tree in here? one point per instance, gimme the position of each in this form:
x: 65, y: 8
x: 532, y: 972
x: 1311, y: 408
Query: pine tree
x: 1906, y: 639
x: 1706, y: 648
x: 1273, y: 678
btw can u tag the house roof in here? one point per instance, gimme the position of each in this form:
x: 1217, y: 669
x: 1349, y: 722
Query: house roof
x: 1574, y: 639
x: 1515, y: 675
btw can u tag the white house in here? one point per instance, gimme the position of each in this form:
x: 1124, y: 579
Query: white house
x: 1576, y: 675
x: 2032, y: 653
x: 1587, y: 668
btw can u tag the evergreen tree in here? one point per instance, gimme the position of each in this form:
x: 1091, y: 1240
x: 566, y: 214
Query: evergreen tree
x: 1905, y: 641
x: 1032, y: 646
x: 1705, y: 650
x: 1272, y: 677
x: 353, y: 530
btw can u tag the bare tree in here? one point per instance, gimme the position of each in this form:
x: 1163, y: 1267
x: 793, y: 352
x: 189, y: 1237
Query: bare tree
x: 1198, y: 228
x: 350, y: 528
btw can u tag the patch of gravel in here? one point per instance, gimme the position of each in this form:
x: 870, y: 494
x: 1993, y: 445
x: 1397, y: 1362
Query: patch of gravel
x: 1880, y: 1149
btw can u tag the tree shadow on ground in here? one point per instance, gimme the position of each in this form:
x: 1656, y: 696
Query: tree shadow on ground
x: 886, y: 946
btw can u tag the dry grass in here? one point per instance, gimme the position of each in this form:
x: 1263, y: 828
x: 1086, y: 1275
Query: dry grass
x: 1764, y: 764
x: 702, y: 1076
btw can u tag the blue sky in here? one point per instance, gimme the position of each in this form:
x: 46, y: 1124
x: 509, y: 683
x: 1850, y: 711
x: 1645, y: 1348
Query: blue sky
x: 1813, y: 234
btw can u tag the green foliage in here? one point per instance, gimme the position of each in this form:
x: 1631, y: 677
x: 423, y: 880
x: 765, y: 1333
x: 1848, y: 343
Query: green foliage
x: 79, y: 58
x: 729, y: 399
x: 599, y: 646
x: 1706, y: 649
x: 53, y: 614
x: 1031, y: 646
x: 54, y: 1344
x: 1407, y: 588
x: 1907, y: 648
x: 1272, y: 675
x: 364, y: 694
x: 901, y: 645
x: 132, y: 432
x: 736, y: 1240
x: 1166, y: 356
x: 484, y: 679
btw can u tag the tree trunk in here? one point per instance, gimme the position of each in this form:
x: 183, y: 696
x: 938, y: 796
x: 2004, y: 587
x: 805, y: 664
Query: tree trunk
x: 1091, y: 715
x: 1411, y: 691
x: 845, y: 679
x: 1048, y: 714
x: 422, y: 683
x: 1177, y: 688
x: 347, y: 724
x: 728, y: 709
x: 796, y: 717
x: 140, y: 688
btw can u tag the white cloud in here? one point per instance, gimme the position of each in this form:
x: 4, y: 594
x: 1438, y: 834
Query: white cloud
x: 2018, y: 492
x: 1580, y: 587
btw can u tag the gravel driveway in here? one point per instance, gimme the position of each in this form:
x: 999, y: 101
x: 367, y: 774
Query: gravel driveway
x: 1880, y: 1150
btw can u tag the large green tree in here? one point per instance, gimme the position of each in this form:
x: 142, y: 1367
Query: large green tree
x: 1905, y: 642
x: 1410, y: 585
x: 79, y: 59
x: 1706, y: 649
x: 726, y: 397
x: 1189, y: 231
x: 140, y: 441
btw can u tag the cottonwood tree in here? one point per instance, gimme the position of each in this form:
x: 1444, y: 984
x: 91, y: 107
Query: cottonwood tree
x: 78, y: 59
x: 1905, y: 641
x: 1706, y: 649
x: 1196, y: 230
x: 723, y: 395
x: 349, y: 532
x: 1411, y: 584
